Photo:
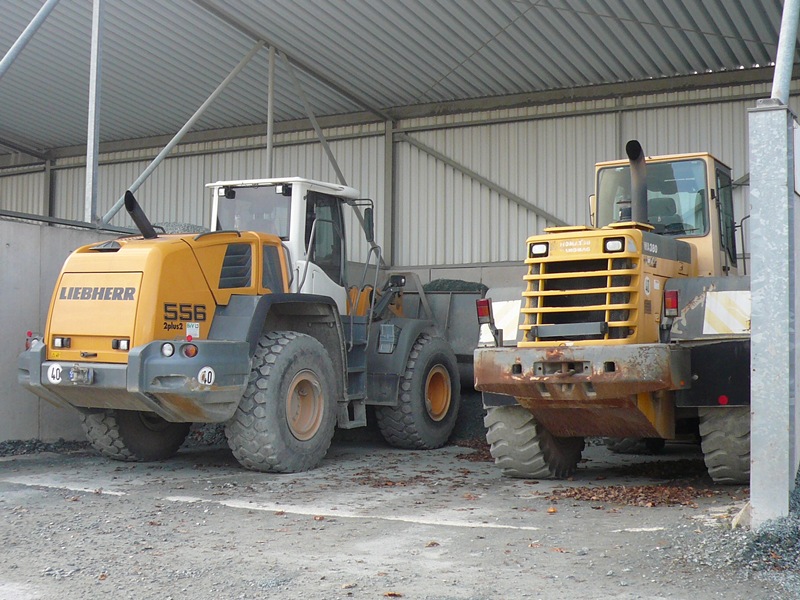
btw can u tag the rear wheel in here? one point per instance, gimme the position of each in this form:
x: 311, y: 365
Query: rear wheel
x: 523, y: 448
x: 285, y: 420
x: 132, y: 435
x: 430, y: 395
x: 725, y: 435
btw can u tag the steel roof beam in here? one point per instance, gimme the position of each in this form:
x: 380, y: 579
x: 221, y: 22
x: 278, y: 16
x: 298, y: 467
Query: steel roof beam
x: 247, y: 30
x: 403, y: 137
x: 178, y: 136
x: 22, y: 149
x: 26, y: 35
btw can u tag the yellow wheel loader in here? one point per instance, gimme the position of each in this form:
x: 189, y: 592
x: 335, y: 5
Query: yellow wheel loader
x: 255, y: 324
x: 635, y: 328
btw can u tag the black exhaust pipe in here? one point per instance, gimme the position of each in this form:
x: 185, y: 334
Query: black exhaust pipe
x: 138, y: 216
x: 638, y: 181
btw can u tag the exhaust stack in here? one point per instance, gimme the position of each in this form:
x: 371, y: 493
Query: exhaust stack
x: 138, y: 216
x: 638, y: 182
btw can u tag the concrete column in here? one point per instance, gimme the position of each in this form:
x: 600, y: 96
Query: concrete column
x: 774, y: 235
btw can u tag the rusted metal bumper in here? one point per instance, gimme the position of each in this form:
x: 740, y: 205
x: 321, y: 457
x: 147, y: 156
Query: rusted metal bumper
x: 587, y: 390
x: 168, y: 386
x: 582, y: 372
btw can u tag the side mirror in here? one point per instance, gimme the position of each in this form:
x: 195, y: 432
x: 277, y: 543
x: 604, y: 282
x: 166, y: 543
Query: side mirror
x: 369, y: 224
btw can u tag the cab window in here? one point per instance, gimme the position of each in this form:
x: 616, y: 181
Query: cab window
x: 676, y: 197
x: 271, y: 275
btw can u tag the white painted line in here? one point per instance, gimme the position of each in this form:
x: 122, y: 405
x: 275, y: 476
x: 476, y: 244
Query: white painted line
x: 35, y: 482
x: 638, y: 530
x: 320, y: 512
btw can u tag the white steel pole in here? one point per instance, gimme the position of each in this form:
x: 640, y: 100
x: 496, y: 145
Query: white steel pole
x: 270, y: 110
x: 784, y: 61
x: 93, y: 129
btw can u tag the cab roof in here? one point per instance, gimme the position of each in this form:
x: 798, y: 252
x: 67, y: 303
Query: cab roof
x: 334, y: 189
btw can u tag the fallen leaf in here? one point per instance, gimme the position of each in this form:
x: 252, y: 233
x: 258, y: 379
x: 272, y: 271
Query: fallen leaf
x: 552, y: 510
x: 431, y: 544
x: 103, y: 576
x: 319, y: 518
x: 393, y: 595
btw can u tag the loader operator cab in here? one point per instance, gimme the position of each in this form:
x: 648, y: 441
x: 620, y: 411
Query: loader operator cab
x: 688, y: 197
x: 307, y: 216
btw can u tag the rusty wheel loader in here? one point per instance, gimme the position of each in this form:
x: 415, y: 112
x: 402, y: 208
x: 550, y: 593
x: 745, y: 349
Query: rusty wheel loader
x: 635, y: 327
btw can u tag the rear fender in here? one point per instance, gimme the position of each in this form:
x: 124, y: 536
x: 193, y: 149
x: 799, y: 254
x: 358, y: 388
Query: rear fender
x: 386, y: 368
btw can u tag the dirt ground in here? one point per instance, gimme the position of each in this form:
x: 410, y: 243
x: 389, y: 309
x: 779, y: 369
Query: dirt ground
x: 371, y: 522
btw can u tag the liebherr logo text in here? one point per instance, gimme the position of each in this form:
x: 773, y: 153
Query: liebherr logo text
x: 97, y: 293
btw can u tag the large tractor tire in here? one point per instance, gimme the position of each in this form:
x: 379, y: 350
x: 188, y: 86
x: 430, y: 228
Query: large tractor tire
x: 725, y: 439
x: 132, y: 435
x: 285, y: 420
x: 523, y: 448
x: 430, y: 395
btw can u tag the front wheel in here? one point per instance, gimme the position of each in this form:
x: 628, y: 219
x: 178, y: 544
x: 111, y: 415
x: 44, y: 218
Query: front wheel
x: 523, y: 448
x: 132, y: 435
x: 430, y: 395
x: 285, y: 420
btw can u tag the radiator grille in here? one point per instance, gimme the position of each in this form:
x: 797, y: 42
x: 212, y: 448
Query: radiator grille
x: 597, y: 292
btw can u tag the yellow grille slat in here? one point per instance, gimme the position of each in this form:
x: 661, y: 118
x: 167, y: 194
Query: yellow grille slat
x: 579, y: 275
x: 567, y: 309
x: 586, y: 292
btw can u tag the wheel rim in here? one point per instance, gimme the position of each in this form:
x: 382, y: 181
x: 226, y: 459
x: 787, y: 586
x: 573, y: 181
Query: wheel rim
x: 438, y: 392
x: 305, y: 405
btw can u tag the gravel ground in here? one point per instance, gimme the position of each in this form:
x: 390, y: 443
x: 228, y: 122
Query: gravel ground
x: 86, y: 527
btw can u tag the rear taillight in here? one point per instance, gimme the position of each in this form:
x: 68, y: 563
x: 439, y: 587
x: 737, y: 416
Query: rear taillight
x: 671, y: 303
x: 485, y: 317
x: 484, y: 308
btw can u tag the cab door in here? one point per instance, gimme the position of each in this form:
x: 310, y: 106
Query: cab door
x: 325, y: 241
x: 727, y: 224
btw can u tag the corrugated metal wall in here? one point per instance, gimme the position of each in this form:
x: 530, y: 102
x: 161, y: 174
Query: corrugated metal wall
x: 24, y: 192
x: 441, y: 215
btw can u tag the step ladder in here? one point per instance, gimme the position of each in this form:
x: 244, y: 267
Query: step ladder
x: 352, y: 411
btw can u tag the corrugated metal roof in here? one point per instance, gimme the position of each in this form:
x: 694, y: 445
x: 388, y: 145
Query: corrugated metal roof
x: 161, y: 58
